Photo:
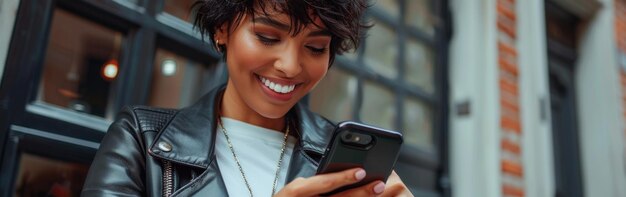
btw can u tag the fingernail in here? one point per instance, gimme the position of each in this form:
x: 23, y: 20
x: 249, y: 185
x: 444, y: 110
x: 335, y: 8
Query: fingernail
x: 360, y: 174
x: 379, y: 188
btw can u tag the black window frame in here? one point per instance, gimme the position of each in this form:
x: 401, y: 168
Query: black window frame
x: 436, y: 161
x: 143, y: 33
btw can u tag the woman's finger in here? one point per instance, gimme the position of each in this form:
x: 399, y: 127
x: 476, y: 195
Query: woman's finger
x: 323, y: 183
x: 371, y: 189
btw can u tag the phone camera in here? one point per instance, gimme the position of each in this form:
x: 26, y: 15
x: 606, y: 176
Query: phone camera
x: 356, y: 139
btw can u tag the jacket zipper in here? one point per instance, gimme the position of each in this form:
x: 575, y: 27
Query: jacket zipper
x: 167, y: 179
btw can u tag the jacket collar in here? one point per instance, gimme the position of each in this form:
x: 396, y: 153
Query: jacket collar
x: 191, y: 132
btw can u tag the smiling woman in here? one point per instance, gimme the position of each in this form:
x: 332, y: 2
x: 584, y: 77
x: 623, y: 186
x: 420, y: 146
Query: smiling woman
x: 264, y: 141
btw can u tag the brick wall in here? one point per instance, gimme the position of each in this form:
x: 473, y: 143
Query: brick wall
x: 512, y: 172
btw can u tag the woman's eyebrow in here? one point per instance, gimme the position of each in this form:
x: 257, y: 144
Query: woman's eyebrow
x: 321, y: 32
x: 285, y: 27
x: 271, y: 22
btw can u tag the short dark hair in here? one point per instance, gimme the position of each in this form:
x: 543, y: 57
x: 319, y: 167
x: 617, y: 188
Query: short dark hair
x: 342, y: 18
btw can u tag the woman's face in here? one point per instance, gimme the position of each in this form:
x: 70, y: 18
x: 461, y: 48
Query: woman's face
x: 270, y: 68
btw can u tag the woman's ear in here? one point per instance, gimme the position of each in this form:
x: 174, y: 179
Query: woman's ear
x: 221, y: 35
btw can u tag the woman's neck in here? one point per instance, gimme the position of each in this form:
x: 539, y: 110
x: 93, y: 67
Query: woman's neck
x: 234, y: 107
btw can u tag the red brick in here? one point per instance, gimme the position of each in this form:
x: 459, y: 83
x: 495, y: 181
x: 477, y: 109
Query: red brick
x: 512, y: 167
x: 510, y: 146
x: 508, y: 28
x: 507, y: 11
x: 508, y: 66
x: 508, y: 86
x: 509, y: 190
x: 511, y: 124
x: 510, y: 105
x: 507, y: 48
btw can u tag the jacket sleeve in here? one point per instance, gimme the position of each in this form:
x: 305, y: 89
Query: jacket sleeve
x: 118, y: 168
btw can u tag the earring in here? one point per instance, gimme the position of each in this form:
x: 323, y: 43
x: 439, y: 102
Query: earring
x: 217, y: 45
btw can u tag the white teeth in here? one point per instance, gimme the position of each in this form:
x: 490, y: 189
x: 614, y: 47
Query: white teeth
x: 277, y: 87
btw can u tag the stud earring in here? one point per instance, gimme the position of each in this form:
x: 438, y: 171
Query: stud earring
x: 217, y: 45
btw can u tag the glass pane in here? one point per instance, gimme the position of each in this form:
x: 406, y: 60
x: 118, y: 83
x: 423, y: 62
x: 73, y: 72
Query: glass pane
x: 420, y: 15
x: 381, y: 50
x: 378, y: 106
x: 390, y: 7
x: 179, y: 8
x: 334, y: 95
x: 177, y: 81
x: 41, y: 176
x: 419, y: 66
x: 79, y: 69
x: 130, y: 3
x: 418, y: 128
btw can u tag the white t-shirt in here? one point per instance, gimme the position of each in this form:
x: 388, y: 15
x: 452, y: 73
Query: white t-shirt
x: 258, y: 151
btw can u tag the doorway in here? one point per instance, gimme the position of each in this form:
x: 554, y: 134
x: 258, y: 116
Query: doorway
x: 561, y: 29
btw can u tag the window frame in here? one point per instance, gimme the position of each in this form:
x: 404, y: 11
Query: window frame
x: 142, y: 31
x: 436, y: 160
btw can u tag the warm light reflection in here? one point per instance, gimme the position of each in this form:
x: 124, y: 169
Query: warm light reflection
x: 168, y: 67
x: 110, y: 70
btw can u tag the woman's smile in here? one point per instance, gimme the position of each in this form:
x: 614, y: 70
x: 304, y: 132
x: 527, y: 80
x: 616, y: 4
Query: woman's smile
x: 277, y: 89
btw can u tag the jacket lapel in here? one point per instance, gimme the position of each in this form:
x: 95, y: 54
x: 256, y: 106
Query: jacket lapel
x: 314, y: 133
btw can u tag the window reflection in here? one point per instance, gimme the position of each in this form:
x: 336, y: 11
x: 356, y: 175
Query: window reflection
x: 79, y: 69
x: 42, y: 176
x: 130, y: 3
x: 177, y: 81
x: 390, y: 7
x: 378, y: 106
x: 419, y: 66
x: 418, y: 130
x: 179, y: 8
x: 381, y: 50
x: 334, y: 96
x: 420, y: 15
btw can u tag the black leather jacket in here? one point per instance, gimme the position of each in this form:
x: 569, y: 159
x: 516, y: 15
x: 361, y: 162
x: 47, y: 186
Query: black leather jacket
x: 156, y: 152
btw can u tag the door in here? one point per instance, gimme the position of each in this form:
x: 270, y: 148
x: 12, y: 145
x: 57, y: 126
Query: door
x: 561, y: 32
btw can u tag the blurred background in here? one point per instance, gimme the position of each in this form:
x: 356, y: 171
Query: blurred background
x: 494, y: 97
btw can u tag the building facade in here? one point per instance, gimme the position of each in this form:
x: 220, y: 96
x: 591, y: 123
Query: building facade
x: 494, y: 97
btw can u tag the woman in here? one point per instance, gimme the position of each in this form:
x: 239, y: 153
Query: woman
x: 249, y: 137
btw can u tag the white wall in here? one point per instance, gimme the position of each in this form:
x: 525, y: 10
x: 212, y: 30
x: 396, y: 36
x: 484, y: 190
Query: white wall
x: 8, y: 11
x: 474, y: 139
x: 600, y: 108
x: 537, y: 147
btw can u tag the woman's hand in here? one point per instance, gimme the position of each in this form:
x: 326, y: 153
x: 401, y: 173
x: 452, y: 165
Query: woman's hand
x: 395, y: 187
x: 320, y: 184
x: 323, y: 183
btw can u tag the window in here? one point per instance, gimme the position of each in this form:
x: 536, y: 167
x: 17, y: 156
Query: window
x: 176, y: 81
x: 75, y: 65
x: 333, y: 96
x: 179, y: 8
x: 43, y: 176
x: 79, y: 69
x: 396, y: 82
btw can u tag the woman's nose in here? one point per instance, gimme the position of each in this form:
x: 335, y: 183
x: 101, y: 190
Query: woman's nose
x: 289, y: 63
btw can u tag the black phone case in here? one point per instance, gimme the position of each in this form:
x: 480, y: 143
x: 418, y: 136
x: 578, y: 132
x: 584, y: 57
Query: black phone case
x: 378, y: 160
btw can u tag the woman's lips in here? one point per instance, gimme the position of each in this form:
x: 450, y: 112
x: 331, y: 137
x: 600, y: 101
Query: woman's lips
x: 277, y: 90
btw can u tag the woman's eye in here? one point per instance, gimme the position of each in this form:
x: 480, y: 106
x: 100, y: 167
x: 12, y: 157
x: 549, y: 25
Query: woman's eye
x: 317, y: 50
x: 266, y: 40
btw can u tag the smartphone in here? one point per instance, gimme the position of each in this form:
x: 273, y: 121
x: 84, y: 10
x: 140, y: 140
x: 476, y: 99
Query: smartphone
x: 358, y: 145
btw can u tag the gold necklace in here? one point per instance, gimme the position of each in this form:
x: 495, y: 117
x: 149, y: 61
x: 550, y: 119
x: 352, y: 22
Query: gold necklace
x: 243, y: 175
